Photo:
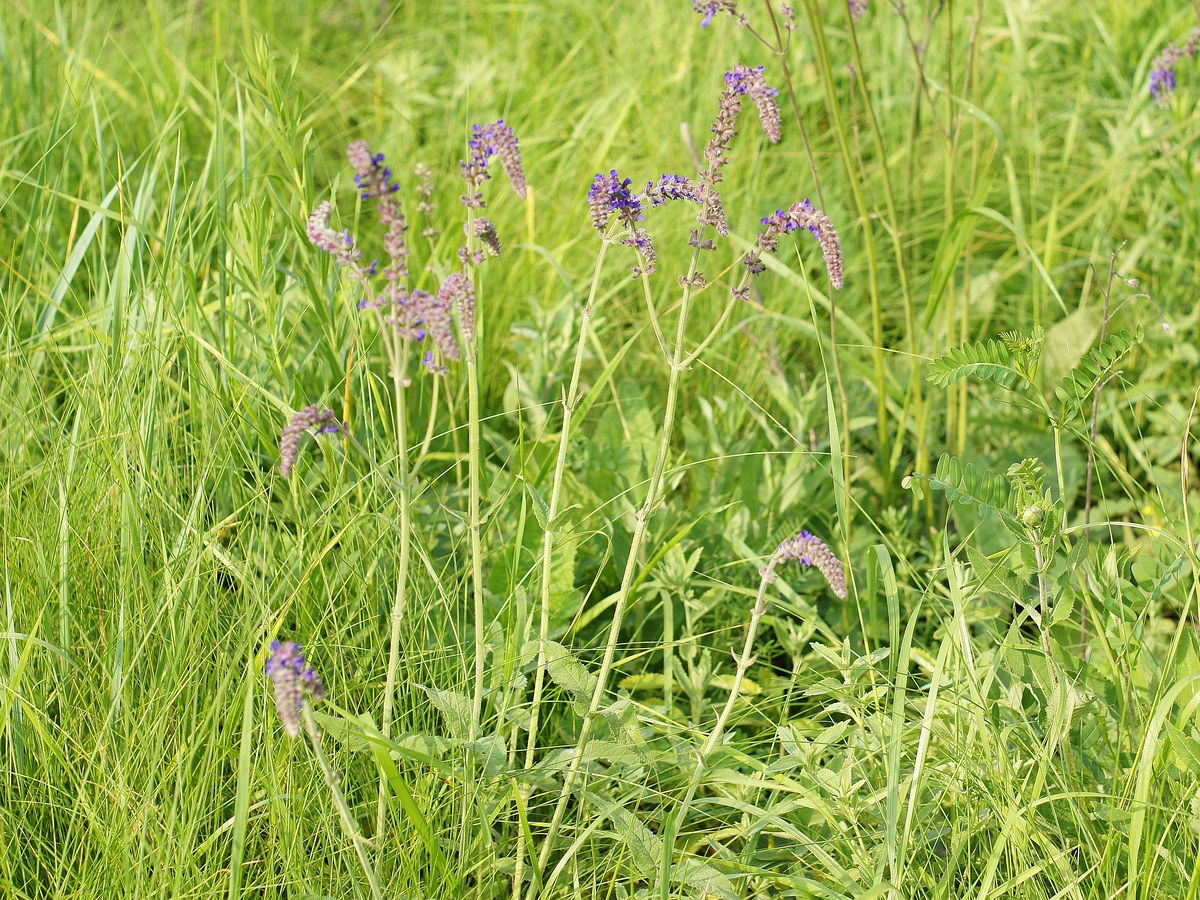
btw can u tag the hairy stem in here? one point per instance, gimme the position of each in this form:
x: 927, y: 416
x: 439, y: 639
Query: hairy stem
x: 744, y: 661
x: 339, y: 801
x: 653, y: 496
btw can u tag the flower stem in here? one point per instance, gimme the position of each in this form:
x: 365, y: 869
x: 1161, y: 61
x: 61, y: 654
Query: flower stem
x: 474, y: 464
x: 560, y: 466
x: 339, y: 801
x: 744, y: 661
x: 653, y: 496
x: 398, y: 359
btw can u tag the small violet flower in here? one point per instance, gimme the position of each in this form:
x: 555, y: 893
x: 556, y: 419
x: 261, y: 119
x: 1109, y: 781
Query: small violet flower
x: 809, y: 550
x: 709, y: 9
x: 315, y: 416
x: 295, y: 681
x: 857, y: 8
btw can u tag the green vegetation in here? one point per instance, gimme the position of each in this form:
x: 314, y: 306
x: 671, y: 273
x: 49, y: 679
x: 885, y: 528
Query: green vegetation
x: 990, y: 425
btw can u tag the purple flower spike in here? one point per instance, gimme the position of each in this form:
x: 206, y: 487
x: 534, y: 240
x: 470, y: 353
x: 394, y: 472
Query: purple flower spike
x: 458, y: 293
x: 434, y: 313
x: 709, y: 9
x: 315, y: 416
x: 295, y: 681
x: 494, y: 139
x: 809, y: 550
x: 375, y: 181
x: 799, y: 215
x: 857, y: 8
x: 1162, y: 77
x: 670, y: 187
x: 609, y: 196
x: 485, y: 230
x: 750, y: 80
x: 741, y: 80
x: 339, y: 246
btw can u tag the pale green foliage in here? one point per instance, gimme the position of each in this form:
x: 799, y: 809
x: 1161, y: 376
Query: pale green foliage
x: 1002, y: 708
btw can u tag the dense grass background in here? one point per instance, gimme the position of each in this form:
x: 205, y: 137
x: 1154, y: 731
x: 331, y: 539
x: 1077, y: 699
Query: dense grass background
x: 163, y: 314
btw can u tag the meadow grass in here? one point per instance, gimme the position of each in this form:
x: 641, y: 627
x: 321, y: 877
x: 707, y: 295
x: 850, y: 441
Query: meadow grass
x: 1005, y: 705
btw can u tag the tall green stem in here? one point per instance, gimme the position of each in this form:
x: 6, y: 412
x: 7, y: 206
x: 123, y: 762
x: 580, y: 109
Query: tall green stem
x: 339, y: 801
x: 474, y: 464
x: 744, y: 661
x: 560, y: 467
x: 397, y: 353
x: 853, y: 177
x: 570, y: 402
x: 653, y: 495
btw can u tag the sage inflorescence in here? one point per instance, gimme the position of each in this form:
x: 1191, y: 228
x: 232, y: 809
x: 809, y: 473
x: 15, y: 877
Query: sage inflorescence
x: 809, y: 550
x: 797, y: 216
x: 295, y: 683
x: 1162, y: 76
x: 302, y: 422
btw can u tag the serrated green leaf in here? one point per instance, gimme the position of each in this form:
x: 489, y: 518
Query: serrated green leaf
x: 491, y: 753
x: 570, y: 674
x: 454, y: 707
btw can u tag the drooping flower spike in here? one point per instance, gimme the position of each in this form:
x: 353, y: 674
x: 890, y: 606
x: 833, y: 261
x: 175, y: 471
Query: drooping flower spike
x: 375, y: 183
x: 315, y: 416
x: 749, y: 80
x: 339, y: 245
x: 740, y: 81
x: 809, y: 550
x: 295, y: 681
x: 494, y: 139
x: 797, y: 216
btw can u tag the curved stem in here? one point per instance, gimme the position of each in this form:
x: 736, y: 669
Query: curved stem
x: 339, y: 801
x: 744, y: 661
x: 653, y: 496
x: 716, y: 330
